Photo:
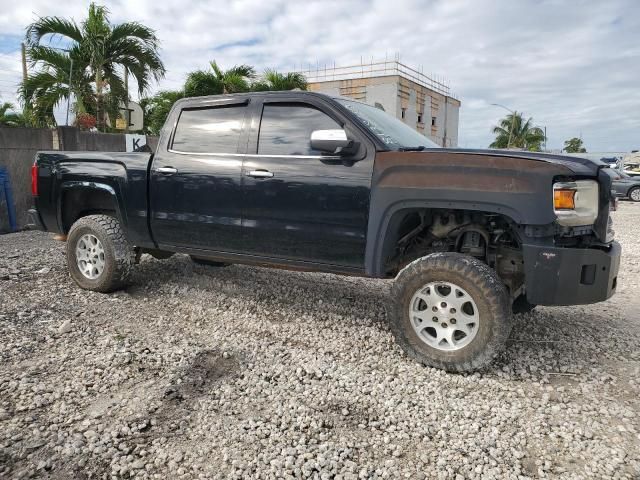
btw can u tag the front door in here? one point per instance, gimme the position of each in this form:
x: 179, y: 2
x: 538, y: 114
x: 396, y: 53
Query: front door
x: 298, y: 204
x: 195, y: 192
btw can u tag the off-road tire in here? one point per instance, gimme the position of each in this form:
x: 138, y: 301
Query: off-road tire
x: 521, y: 305
x: 207, y: 262
x: 118, y: 254
x: 485, y: 288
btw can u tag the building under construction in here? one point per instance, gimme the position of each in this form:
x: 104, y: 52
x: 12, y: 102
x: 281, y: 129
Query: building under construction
x: 420, y: 101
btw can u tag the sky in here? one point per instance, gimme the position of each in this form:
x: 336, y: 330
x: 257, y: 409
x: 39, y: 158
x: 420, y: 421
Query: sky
x: 573, y: 65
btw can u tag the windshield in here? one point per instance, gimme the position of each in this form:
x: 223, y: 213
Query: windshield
x: 395, y: 134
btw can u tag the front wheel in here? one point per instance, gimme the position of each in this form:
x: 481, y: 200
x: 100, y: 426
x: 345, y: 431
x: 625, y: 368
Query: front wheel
x: 450, y: 311
x: 634, y: 194
x: 98, y: 253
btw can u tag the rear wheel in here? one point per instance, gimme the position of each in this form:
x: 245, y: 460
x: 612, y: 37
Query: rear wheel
x: 209, y: 263
x: 450, y: 311
x: 634, y: 194
x: 98, y: 253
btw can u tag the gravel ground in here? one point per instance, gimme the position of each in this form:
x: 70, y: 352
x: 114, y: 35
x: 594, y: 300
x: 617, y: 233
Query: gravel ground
x: 242, y: 372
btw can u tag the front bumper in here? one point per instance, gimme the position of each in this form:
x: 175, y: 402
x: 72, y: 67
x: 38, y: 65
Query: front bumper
x: 570, y: 276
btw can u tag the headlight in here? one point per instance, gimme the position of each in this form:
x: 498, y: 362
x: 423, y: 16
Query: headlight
x: 576, y: 203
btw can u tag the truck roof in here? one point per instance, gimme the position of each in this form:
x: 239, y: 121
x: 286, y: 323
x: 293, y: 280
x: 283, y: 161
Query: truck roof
x: 293, y: 93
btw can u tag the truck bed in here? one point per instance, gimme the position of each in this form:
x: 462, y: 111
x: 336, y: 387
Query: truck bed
x: 121, y: 178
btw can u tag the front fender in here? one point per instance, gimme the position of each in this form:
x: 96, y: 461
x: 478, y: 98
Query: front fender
x: 518, y: 188
x: 379, y: 226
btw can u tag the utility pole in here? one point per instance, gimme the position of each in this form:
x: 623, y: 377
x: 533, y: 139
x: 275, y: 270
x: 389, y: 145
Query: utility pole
x: 127, y: 113
x: 69, y: 96
x: 24, y: 62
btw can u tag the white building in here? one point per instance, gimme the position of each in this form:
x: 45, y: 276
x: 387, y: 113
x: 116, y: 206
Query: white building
x: 418, y: 100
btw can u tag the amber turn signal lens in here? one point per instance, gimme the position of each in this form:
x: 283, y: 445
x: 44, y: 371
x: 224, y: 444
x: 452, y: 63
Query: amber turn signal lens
x: 564, y: 199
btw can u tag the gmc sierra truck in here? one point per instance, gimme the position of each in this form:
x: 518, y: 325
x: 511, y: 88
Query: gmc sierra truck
x: 306, y: 181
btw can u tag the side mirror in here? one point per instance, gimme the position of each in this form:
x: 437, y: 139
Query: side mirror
x: 330, y: 141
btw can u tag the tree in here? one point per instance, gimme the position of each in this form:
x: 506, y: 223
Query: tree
x: 201, y: 83
x: 157, y: 108
x: 51, y: 84
x: 574, y: 145
x: 273, y: 80
x: 216, y: 81
x: 104, y: 52
x: 236, y: 79
x: 9, y: 117
x: 515, y: 132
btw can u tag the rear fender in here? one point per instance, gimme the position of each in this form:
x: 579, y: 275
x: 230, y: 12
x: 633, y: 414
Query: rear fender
x: 97, y: 197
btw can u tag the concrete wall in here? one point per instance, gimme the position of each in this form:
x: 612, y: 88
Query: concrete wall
x: 386, y: 94
x: 18, y: 147
x: 453, y: 119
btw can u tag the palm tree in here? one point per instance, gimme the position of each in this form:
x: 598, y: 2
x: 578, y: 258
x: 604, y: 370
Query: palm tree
x: 105, y: 52
x: 201, y: 83
x: 234, y: 80
x: 157, y: 108
x: 574, y: 145
x: 515, y: 132
x: 52, y: 84
x: 9, y: 117
x: 216, y: 81
x: 273, y: 80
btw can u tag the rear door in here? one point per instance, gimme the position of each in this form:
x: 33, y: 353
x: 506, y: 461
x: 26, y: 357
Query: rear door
x: 195, y: 191
x: 299, y: 204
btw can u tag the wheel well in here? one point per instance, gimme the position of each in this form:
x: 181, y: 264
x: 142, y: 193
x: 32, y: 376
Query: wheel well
x: 81, y: 202
x: 492, y: 238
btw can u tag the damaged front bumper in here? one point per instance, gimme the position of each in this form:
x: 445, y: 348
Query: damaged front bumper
x: 570, y: 276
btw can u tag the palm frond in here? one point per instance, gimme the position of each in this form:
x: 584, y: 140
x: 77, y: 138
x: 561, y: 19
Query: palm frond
x: 216, y: 69
x: 246, y: 71
x: 136, y: 31
x: 201, y: 83
x: 54, y: 26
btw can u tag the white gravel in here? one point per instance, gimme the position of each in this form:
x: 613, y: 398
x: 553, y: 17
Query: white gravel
x: 241, y: 372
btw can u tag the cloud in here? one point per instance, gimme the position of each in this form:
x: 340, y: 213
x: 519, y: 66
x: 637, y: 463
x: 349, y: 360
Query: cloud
x: 573, y: 66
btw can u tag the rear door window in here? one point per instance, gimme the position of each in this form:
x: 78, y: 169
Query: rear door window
x: 209, y: 130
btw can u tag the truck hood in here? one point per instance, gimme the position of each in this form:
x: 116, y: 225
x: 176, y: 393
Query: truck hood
x: 578, y: 165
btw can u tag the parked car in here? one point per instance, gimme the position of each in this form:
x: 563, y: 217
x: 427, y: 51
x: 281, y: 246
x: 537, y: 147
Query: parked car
x: 626, y: 186
x: 306, y: 181
x: 632, y: 169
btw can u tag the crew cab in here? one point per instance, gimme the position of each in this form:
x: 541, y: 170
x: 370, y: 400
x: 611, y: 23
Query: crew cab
x: 306, y: 181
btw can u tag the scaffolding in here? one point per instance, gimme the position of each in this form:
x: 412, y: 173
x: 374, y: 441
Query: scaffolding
x: 385, y: 68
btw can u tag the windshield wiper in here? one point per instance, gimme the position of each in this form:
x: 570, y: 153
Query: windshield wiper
x: 419, y: 148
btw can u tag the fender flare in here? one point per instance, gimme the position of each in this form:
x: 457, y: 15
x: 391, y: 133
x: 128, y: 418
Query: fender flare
x: 379, y: 224
x: 103, y: 187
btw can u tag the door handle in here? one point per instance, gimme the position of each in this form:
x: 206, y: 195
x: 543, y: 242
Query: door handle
x: 167, y: 170
x: 260, y: 174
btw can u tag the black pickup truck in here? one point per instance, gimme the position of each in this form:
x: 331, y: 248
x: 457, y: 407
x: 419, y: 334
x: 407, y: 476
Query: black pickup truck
x: 307, y: 181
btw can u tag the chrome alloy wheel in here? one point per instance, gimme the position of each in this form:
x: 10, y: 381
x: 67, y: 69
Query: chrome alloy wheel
x: 90, y: 256
x: 635, y: 195
x: 444, y: 316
